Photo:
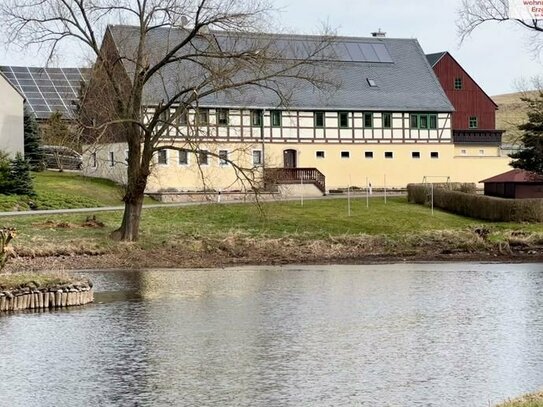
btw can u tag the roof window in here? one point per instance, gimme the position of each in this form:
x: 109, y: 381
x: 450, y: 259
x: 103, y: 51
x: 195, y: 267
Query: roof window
x: 371, y: 82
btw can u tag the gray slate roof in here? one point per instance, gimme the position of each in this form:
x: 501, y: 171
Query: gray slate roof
x: 433, y: 59
x: 407, y: 83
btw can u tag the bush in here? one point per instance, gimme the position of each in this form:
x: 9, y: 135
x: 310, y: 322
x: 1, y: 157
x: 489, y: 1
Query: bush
x: 478, y: 206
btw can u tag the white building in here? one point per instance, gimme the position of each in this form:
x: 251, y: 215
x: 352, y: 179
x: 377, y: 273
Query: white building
x: 11, y: 118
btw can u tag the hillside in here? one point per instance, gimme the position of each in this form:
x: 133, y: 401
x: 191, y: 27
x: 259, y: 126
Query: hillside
x: 511, y: 113
x: 65, y: 190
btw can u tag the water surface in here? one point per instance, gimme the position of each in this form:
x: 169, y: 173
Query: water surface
x: 384, y: 335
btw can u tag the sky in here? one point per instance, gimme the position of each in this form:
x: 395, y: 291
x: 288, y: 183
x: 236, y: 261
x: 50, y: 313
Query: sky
x: 499, y: 56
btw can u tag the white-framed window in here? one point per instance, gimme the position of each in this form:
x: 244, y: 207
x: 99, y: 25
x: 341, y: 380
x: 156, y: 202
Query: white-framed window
x: 183, y: 156
x: 463, y: 152
x: 111, y: 159
x: 162, y: 157
x: 345, y: 154
x: 320, y: 154
x: 415, y: 154
x: 368, y: 154
x: 389, y: 155
x: 481, y: 152
x: 223, y: 157
x: 257, y: 157
x: 434, y: 154
x: 94, y: 161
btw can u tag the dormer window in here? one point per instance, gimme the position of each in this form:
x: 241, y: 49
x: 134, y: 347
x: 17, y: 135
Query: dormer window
x: 371, y: 82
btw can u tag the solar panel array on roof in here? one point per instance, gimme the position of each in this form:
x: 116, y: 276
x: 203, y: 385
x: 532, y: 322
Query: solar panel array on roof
x: 47, y: 90
x: 341, y: 50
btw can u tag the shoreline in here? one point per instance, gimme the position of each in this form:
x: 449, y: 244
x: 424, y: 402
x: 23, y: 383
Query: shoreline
x: 172, y: 259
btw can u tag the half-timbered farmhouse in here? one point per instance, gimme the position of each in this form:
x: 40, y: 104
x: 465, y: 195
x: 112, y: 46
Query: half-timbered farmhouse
x: 388, y: 118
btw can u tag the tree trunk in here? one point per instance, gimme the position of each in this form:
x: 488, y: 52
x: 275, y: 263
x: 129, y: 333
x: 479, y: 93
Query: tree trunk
x: 133, y: 202
x: 130, y: 227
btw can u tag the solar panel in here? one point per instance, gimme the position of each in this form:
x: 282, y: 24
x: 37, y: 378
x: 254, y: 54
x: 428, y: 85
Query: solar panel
x: 350, y: 51
x: 47, y: 90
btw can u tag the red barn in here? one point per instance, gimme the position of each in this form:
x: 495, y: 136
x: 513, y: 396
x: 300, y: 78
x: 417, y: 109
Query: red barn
x: 474, y: 118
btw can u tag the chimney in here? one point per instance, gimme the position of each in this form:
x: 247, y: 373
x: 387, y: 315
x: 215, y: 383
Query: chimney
x: 379, y: 34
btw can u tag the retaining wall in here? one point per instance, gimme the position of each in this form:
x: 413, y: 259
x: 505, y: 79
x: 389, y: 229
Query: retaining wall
x: 44, y: 298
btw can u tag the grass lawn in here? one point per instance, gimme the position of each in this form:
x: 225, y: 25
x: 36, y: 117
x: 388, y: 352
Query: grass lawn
x: 64, y: 190
x: 322, y: 219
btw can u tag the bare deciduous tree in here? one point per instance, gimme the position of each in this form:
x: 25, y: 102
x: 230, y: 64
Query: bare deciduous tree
x: 209, y: 47
x: 474, y: 13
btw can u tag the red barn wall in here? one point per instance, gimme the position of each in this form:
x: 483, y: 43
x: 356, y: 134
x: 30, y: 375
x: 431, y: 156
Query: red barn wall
x: 470, y: 101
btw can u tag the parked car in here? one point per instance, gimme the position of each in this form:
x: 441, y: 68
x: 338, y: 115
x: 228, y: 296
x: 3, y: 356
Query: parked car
x: 62, y: 158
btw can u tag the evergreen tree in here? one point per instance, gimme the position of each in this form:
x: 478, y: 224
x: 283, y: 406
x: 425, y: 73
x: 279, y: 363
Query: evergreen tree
x: 21, y: 180
x: 5, y: 174
x: 33, y: 142
x: 530, y: 157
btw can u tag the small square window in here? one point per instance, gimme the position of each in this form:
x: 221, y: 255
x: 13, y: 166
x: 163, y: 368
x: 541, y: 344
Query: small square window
x: 481, y: 152
x: 389, y: 154
x: 319, y: 154
x: 223, y: 157
x: 203, y: 157
x: 368, y: 120
x: 387, y: 120
x: 434, y: 154
x: 463, y: 152
x: 415, y: 154
x: 162, y: 157
x: 202, y: 117
x: 276, y: 118
x: 343, y: 118
x: 473, y: 122
x: 256, y: 118
x: 222, y: 117
x: 345, y: 154
x: 319, y: 119
x: 183, y: 157
x: 257, y: 157
x: 111, y: 159
x: 458, y: 84
x: 368, y: 154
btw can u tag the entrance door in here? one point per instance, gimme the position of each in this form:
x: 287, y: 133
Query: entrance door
x: 289, y: 158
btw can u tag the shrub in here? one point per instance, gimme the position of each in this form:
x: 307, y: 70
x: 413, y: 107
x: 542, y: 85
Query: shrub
x: 478, y: 206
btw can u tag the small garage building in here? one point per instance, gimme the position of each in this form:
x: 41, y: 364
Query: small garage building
x: 515, y: 184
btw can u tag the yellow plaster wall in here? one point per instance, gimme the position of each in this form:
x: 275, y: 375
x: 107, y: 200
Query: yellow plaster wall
x: 340, y: 172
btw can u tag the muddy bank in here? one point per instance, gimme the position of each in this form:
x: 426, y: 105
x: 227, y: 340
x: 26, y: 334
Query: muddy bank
x: 242, y: 250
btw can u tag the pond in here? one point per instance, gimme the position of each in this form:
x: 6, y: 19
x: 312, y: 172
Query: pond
x: 377, y: 335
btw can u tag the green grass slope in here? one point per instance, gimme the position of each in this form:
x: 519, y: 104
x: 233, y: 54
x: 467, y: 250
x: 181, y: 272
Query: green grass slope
x: 65, y: 190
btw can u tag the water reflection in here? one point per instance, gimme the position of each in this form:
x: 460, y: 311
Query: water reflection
x: 443, y: 335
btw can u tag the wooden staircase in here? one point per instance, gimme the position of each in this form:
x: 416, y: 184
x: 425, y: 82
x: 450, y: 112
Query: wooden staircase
x: 274, y: 176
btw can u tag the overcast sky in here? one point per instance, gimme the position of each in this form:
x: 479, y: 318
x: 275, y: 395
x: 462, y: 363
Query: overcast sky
x: 497, y: 56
